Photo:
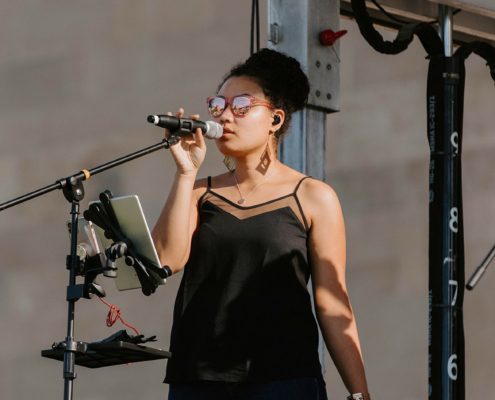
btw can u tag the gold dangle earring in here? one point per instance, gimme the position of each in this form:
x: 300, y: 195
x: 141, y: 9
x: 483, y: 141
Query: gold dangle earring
x: 229, y: 162
x: 265, y: 161
x: 265, y: 158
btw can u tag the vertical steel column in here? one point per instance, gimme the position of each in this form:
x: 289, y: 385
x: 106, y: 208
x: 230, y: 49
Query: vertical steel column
x: 446, y: 253
x: 445, y: 28
x: 293, y: 28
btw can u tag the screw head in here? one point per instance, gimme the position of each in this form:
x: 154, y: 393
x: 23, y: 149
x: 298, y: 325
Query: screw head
x: 318, y: 64
x: 318, y: 93
x: 329, y: 96
x: 329, y: 67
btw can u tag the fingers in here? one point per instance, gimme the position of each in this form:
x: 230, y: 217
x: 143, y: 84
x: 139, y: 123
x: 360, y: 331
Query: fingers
x: 200, y: 139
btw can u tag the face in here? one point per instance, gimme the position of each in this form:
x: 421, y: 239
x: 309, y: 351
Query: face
x: 248, y: 133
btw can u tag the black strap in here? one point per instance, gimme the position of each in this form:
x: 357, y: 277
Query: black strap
x: 484, y: 50
x: 299, y: 183
x: 200, y: 201
x: 299, y: 203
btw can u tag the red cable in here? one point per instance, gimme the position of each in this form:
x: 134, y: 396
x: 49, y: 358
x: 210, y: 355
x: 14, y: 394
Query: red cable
x: 114, y: 311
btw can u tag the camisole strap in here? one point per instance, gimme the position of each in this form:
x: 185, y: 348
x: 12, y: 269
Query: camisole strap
x: 299, y: 183
x: 299, y: 203
x: 208, y: 189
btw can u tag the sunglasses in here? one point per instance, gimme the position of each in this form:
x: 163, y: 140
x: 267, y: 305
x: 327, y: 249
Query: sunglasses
x: 239, y: 105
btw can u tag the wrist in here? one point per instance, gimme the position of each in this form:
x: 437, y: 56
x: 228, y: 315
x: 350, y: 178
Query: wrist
x: 191, y: 175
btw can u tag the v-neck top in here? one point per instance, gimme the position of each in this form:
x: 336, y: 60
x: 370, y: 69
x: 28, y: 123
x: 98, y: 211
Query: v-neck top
x: 243, y: 310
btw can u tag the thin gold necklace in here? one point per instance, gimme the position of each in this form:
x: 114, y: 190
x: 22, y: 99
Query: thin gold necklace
x: 243, y: 199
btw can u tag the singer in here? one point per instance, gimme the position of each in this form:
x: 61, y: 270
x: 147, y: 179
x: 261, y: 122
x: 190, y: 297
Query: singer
x: 248, y: 241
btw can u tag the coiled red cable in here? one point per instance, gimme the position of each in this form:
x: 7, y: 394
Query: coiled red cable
x: 114, y: 315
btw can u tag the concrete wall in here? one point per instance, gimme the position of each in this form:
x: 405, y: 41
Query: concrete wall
x: 77, y: 80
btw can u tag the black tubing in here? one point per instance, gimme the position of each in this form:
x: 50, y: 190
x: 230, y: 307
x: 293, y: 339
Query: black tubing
x: 426, y: 33
x: 482, y: 49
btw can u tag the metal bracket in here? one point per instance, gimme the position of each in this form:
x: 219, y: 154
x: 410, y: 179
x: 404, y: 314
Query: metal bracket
x: 75, y: 347
x: 275, y: 33
x: 302, y: 22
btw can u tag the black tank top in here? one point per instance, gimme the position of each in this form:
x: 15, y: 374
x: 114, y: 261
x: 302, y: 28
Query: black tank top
x: 243, y: 310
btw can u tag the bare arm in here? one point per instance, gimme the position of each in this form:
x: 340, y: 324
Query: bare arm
x: 327, y: 252
x: 173, y: 231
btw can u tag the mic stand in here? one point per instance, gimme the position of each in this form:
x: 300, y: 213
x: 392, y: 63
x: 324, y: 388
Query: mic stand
x: 75, y: 181
x: 73, y: 191
x: 478, y: 273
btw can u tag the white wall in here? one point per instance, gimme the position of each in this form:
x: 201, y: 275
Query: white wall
x: 77, y: 81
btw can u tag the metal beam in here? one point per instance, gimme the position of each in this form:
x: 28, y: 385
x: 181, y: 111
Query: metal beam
x: 481, y: 7
x: 469, y: 26
x: 294, y: 27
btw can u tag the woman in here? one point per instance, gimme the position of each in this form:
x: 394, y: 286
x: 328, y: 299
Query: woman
x: 249, y: 239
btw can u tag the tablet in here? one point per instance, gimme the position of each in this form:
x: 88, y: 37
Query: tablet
x: 133, y: 224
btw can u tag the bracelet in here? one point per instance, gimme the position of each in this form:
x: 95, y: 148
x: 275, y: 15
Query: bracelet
x: 357, y: 396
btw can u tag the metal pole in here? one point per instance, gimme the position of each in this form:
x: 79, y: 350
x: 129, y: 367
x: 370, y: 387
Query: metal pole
x: 445, y: 28
x: 446, y: 253
x: 111, y: 164
x: 69, y: 356
x: 449, y: 350
x: 294, y: 27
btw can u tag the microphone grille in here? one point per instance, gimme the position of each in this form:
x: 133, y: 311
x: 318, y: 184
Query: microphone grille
x: 215, y: 130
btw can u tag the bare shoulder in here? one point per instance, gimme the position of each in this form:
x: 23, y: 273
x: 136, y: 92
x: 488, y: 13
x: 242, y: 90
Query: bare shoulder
x: 318, y: 200
x: 200, y: 187
x: 317, y: 191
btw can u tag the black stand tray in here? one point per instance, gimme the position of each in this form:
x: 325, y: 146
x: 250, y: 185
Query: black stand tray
x: 99, y: 355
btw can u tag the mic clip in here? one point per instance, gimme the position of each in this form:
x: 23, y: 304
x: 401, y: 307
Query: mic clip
x: 185, y: 127
x: 170, y: 141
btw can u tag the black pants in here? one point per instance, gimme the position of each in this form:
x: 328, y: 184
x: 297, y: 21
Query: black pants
x: 288, y: 389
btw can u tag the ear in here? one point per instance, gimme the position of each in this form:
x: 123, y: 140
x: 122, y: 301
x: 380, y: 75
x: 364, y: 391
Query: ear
x: 278, y: 120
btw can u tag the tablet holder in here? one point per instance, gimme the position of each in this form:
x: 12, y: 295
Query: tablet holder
x: 104, y: 216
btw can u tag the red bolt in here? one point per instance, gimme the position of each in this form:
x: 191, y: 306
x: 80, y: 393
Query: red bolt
x: 329, y: 37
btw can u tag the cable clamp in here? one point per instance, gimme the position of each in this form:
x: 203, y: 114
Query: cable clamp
x: 70, y: 375
x: 451, y: 76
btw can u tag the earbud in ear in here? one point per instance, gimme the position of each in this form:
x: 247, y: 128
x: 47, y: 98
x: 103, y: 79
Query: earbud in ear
x: 276, y: 120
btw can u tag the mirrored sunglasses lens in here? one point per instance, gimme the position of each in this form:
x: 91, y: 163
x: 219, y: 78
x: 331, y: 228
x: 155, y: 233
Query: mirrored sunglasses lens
x: 216, y: 106
x: 241, y: 105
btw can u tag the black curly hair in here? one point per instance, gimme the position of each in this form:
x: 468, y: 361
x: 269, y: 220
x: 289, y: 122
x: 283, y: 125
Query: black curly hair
x: 282, y: 80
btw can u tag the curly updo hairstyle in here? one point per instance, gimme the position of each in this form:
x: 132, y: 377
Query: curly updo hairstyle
x: 282, y: 80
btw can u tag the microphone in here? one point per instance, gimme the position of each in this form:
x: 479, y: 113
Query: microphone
x: 184, y: 126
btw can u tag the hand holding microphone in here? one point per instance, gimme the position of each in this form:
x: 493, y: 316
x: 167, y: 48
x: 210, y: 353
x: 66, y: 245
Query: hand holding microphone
x: 189, y: 153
